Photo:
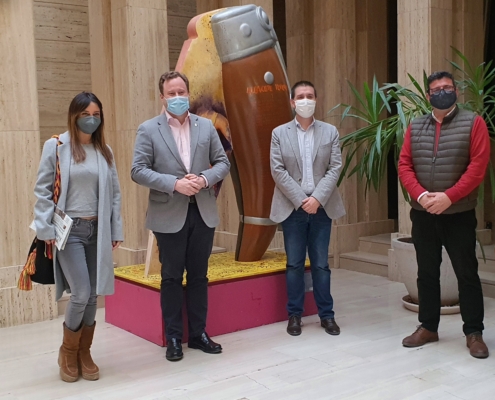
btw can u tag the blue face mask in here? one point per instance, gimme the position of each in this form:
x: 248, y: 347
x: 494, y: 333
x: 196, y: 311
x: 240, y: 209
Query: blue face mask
x: 177, y: 105
x: 88, y: 125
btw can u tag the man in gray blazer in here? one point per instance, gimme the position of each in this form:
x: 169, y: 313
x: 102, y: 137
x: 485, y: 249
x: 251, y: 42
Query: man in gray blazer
x: 305, y: 165
x: 179, y: 157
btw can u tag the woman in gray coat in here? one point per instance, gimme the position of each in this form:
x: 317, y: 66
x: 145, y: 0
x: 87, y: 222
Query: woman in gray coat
x: 90, y: 195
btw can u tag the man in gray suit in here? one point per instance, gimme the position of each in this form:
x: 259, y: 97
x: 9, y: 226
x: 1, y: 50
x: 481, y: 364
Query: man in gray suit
x: 305, y: 165
x: 179, y: 157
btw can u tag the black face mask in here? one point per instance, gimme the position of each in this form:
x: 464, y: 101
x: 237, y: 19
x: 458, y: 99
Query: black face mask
x: 443, y: 100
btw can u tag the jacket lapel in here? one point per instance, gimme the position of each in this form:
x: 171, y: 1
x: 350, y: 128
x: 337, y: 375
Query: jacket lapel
x: 292, y: 134
x: 317, y: 135
x: 64, y: 157
x: 194, y: 132
x: 102, y: 178
x: 167, y: 136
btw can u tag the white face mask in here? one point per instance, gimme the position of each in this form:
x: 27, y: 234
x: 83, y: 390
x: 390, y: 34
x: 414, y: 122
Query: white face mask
x: 305, y: 107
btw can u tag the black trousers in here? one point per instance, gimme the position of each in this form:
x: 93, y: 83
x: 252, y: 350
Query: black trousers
x: 188, y: 249
x: 457, y: 233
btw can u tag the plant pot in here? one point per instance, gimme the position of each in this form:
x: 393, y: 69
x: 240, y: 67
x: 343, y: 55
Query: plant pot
x: 405, y: 256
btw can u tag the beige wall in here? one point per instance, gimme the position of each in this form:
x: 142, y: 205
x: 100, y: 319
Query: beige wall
x: 19, y: 156
x: 129, y: 52
x: 331, y: 43
x: 61, y: 32
x: 180, y: 13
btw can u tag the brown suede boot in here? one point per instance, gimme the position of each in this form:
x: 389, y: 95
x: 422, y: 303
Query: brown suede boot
x: 89, y: 369
x: 67, y: 356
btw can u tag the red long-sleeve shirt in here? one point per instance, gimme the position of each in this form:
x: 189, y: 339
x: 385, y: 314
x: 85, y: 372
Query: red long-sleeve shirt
x: 479, y: 157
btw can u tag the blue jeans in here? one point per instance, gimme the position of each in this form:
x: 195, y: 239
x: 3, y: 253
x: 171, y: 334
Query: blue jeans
x: 312, y: 232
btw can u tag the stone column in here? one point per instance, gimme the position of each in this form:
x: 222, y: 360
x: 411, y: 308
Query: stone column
x: 300, y: 40
x: 334, y: 65
x: 468, y: 33
x: 424, y: 36
x: 372, y: 61
x: 129, y: 52
x: 19, y: 158
x: 102, y: 74
x: 350, y: 46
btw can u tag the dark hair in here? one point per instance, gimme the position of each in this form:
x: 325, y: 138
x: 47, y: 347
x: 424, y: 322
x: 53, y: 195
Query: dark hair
x: 167, y: 76
x: 77, y: 106
x: 301, y: 83
x: 437, y: 75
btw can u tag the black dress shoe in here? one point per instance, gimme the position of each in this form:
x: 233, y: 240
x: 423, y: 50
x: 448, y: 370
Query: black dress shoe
x: 294, y: 325
x: 204, y: 343
x: 330, y: 326
x: 174, y: 350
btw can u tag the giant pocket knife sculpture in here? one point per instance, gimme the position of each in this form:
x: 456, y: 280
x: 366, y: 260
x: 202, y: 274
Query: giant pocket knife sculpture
x: 238, y: 80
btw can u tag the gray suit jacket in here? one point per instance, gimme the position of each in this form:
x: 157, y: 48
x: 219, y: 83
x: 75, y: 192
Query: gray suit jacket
x: 286, y: 166
x: 109, y: 220
x: 157, y: 165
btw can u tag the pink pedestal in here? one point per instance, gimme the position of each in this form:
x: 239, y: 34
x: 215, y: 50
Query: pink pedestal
x: 232, y: 306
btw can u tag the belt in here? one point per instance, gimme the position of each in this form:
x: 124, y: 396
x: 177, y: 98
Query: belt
x: 77, y: 221
x: 192, y: 199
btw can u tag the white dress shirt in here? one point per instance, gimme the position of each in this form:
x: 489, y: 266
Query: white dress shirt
x: 306, y: 143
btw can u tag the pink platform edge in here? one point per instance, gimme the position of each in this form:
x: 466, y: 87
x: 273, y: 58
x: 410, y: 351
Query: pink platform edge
x: 232, y: 306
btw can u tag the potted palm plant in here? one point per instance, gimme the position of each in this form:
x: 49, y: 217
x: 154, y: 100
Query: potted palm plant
x: 384, y: 113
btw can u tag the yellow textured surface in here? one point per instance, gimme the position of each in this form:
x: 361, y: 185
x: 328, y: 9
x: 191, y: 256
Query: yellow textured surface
x: 202, y: 64
x: 222, y: 266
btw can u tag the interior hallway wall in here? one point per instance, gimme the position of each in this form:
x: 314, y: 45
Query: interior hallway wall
x: 61, y: 32
x: 129, y: 51
x: 332, y: 43
x: 19, y: 157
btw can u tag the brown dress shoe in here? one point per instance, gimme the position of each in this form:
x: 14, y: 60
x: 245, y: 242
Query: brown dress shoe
x: 477, y: 347
x: 330, y: 326
x: 420, y: 337
x: 294, y: 325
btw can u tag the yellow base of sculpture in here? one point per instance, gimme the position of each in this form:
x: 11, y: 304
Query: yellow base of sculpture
x: 222, y: 267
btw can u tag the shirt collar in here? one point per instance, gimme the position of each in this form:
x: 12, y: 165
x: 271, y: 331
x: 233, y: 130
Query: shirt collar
x: 300, y: 127
x: 435, y: 118
x: 169, y: 117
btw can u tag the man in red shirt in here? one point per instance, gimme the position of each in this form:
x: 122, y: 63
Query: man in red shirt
x: 442, y: 162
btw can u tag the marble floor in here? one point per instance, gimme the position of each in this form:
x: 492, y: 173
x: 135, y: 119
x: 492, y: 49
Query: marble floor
x: 365, y: 362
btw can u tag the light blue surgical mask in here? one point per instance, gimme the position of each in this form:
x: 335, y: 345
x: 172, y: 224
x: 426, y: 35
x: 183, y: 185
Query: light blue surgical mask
x: 88, y: 125
x: 177, y: 105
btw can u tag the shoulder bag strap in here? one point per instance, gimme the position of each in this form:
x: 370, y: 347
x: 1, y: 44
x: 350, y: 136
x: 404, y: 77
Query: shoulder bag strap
x: 57, y: 183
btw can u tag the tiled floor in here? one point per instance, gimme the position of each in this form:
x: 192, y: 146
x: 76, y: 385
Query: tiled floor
x: 365, y: 362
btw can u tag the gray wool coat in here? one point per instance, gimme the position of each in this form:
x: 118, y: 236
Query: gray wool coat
x: 109, y: 219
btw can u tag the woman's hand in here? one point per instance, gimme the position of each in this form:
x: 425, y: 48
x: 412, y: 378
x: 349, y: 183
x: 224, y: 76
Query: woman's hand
x: 115, y: 244
x: 51, y: 241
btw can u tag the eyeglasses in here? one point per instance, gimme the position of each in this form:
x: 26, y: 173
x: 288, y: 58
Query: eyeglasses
x: 448, y: 89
